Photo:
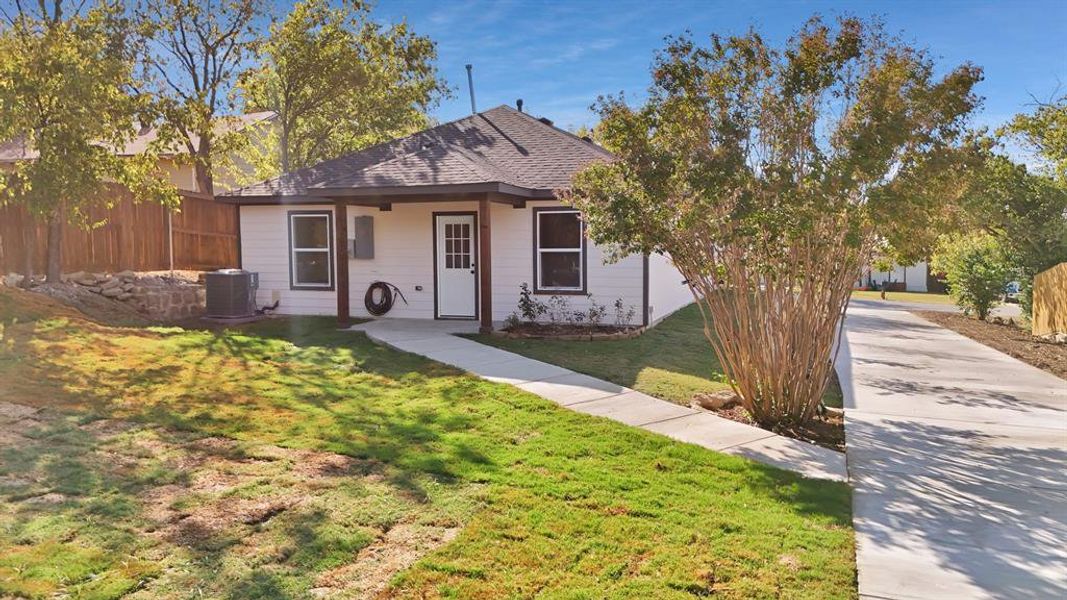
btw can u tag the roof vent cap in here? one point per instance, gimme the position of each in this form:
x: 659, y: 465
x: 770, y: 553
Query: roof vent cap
x: 545, y: 120
x: 518, y: 104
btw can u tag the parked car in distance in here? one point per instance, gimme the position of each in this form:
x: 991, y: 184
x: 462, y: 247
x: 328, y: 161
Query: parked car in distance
x: 1011, y: 292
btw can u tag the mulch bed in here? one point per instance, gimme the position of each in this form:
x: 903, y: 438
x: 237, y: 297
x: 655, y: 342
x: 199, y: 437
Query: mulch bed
x: 565, y: 331
x: 1007, y: 338
x: 827, y: 431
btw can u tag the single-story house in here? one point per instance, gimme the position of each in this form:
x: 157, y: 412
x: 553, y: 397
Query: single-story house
x: 902, y: 278
x: 457, y: 217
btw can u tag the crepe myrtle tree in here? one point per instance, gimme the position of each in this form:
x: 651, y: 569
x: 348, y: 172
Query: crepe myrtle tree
x: 768, y: 175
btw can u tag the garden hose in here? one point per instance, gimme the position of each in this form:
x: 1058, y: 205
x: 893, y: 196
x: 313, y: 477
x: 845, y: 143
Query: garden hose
x: 385, y: 302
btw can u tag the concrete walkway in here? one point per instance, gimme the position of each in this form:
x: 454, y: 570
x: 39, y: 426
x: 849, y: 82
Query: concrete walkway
x: 958, y: 458
x: 582, y: 393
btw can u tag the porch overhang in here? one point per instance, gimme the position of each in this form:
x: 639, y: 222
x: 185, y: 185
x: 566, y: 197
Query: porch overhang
x: 484, y: 252
x: 386, y: 195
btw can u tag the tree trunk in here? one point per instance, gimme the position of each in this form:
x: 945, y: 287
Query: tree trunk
x: 283, y: 148
x: 54, y: 268
x: 204, y: 179
x: 29, y: 242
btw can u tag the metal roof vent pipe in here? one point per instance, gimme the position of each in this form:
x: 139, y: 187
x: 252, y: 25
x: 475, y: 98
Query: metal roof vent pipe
x: 470, y: 86
x: 518, y: 104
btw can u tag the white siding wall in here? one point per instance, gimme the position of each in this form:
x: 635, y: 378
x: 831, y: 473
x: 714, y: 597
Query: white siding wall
x: 513, y: 265
x: 666, y: 292
x: 403, y: 255
x: 914, y: 276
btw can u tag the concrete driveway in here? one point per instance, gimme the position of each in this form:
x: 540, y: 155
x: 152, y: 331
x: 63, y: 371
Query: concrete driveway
x: 958, y: 457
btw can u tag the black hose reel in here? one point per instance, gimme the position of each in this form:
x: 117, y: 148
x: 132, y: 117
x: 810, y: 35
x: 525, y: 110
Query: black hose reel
x: 386, y: 293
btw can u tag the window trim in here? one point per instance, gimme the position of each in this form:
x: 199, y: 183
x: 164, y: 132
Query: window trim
x: 537, y: 251
x: 316, y: 287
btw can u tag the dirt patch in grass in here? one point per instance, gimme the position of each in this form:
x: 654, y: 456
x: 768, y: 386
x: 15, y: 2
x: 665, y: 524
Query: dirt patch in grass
x: 392, y: 552
x: 1007, y: 338
x: 182, y: 496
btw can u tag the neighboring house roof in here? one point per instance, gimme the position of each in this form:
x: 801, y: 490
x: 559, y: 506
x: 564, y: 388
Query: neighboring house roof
x: 16, y: 150
x: 500, y: 149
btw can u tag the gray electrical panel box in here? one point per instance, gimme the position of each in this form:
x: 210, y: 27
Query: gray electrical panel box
x: 363, y: 237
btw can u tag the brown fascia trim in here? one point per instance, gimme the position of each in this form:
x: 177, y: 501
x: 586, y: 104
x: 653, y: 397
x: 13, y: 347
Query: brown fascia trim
x: 433, y: 190
x: 426, y: 193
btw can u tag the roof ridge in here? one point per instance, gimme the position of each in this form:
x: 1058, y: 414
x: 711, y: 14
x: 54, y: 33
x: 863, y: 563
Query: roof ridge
x: 567, y: 134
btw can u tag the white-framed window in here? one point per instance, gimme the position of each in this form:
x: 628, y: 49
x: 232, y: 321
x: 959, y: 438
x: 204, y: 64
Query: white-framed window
x: 559, y: 251
x: 310, y: 250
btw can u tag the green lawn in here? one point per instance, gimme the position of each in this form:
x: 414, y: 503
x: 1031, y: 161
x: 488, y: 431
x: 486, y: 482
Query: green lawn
x: 673, y: 360
x: 920, y: 297
x: 288, y: 457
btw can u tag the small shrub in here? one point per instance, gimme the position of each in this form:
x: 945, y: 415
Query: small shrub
x: 595, y: 313
x: 975, y: 269
x: 530, y: 308
x: 512, y: 321
x: 623, y: 315
x: 559, y: 310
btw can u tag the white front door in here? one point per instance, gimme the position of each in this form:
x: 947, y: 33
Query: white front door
x: 457, y: 273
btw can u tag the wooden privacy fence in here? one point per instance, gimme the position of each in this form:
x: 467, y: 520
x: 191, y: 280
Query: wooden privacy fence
x: 1050, y: 301
x: 202, y: 235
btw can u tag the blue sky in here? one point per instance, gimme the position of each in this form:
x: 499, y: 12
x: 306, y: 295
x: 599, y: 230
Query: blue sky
x: 559, y: 55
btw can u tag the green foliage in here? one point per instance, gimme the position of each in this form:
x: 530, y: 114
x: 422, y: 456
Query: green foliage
x: 976, y: 270
x: 67, y: 86
x: 195, y: 51
x: 1026, y: 212
x: 338, y: 82
x: 763, y: 173
x: 1045, y: 132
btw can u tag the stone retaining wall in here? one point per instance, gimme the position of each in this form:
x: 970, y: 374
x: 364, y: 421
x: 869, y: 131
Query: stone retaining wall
x: 157, y: 296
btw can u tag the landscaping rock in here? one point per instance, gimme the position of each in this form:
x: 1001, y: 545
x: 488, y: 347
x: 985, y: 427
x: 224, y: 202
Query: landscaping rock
x: 1060, y: 338
x: 717, y: 400
x: 13, y: 279
x: 111, y: 292
x: 85, y: 279
x: 111, y: 283
x: 127, y: 275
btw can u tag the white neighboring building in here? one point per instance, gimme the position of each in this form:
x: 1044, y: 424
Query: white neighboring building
x: 913, y: 278
x: 457, y: 217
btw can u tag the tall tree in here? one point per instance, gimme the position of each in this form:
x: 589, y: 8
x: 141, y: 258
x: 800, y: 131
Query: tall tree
x: 66, y: 79
x: 1025, y: 211
x: 196, y: 50
x: 1045, y: 132
x: 338, y: 82
x: 768, y: 175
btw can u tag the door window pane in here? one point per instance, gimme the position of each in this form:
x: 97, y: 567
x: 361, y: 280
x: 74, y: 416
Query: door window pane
x: 458, y: 245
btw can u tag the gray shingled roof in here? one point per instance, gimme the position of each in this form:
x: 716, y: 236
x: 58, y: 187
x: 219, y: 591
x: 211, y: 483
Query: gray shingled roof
x: 498, y: 146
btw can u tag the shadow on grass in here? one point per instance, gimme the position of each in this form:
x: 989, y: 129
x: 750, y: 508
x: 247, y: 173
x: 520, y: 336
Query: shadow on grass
x: 298, y: 383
